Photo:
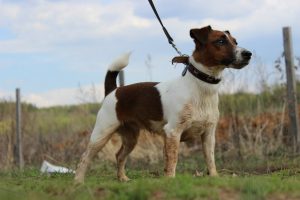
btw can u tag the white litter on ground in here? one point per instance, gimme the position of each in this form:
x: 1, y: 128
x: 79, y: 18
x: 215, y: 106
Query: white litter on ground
x: 50, y: 168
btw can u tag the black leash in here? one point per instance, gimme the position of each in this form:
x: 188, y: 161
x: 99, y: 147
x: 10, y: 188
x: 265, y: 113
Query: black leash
x: 170, y: 39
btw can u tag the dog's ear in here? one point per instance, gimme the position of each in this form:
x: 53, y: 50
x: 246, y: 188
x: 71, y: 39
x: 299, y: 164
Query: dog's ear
x: 200, y: 35
x: 227, y: 32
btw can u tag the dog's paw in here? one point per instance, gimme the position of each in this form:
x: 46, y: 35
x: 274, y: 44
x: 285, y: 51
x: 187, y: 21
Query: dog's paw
x: 214, y: 174
x: 124, y: 179
x: 78, y: 180
x: 170, y: 174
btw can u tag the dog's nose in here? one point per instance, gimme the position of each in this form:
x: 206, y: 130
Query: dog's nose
x: 246, y: 55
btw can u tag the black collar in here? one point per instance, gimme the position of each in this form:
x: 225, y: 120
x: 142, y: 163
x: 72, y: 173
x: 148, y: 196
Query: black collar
x: 200, y: 75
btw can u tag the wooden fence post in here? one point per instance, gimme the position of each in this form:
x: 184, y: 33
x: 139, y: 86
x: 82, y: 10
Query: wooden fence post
x: 121, y: 78
x: 291, y: 88
x: 19, y: 144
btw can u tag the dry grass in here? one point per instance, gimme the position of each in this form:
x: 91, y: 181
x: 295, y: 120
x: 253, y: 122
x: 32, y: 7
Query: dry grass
x: 61, y: 134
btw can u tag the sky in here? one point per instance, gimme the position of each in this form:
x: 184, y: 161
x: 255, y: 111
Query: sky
x: 57, y: 51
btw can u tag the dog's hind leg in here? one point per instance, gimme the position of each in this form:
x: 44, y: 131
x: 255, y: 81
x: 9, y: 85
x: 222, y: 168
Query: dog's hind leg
x: 93, y: 148
x: 129, y: 134
x: 106, y: 125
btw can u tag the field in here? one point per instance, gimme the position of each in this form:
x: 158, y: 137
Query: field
x: 251, y: 179
x: 254, y: 155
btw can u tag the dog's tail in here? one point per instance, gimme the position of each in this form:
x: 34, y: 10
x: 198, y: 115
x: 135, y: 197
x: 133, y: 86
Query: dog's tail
x: 113, y: 70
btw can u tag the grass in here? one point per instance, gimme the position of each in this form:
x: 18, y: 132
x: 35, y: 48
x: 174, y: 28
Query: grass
x: 148, y: 183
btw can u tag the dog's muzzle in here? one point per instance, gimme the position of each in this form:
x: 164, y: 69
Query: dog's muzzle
x: 242, y: 58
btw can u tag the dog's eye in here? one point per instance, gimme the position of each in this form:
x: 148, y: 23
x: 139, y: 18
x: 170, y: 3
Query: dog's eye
x: 220, y: 42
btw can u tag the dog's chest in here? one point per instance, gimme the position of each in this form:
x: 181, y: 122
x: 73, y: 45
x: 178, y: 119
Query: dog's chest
x: 204, y: 115
x: 204, y: 109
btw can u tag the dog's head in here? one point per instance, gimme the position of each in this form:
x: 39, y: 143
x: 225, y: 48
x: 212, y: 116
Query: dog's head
x: 218, y: 48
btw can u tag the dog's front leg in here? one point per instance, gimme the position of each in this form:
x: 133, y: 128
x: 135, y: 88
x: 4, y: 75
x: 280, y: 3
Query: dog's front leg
x: 171, y: 154
x: 208, y: 145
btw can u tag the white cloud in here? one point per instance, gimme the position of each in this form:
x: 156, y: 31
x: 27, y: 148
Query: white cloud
x: 3, y: 94
x: 66, y: 96
x: 62, y: 96
x: 266, y: 19
x: 197, y: 9
x: 8, y: 96
x: 41, y: 25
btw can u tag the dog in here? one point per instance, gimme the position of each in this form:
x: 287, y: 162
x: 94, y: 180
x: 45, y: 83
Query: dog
x: 177, y: 109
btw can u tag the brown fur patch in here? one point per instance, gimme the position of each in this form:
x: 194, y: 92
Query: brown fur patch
x: 129, y: 133
x: 139, y: 103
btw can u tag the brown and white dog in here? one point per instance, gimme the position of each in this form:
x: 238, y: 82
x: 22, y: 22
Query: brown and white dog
x: 176, y: 109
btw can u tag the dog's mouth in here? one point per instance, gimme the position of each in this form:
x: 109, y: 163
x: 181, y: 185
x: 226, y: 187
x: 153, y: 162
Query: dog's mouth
x: 228, y: 61
x: 236, y: 64
x: 239, y: 64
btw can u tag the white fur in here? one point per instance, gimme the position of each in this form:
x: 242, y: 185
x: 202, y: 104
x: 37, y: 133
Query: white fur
x: 106, y: 118
x: 196, y: 102
x: 120, y: 63
x: 203, y: 97
x: 238, y: 54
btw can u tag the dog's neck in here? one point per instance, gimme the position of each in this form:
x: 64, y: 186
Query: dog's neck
x: 212, y: 71
x: 204, y: 87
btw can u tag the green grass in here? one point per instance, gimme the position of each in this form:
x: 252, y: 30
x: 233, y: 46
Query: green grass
x: 148, y: 183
